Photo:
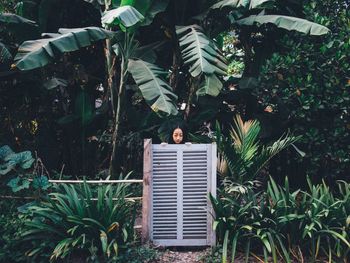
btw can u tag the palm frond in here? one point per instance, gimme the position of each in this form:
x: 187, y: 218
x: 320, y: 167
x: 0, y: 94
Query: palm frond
x: 267, y: 153
x: 241, y: 154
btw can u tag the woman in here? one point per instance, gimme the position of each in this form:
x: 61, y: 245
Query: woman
x: 178, y: 135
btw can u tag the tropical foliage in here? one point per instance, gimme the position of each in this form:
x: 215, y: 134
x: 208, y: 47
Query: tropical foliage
x: 241, y: 155
x: 77, y: 218
x: 300, y: 225
x: 307, y: 85
x: 9, y: 160
x: 83, y: 82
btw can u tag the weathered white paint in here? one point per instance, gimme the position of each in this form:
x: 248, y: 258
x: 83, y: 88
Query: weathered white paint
x: 181, y: 177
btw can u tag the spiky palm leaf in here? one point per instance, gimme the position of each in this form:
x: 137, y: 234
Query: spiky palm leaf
x: 155, y: 90
x: 244, y: 136
x: 244, y: 154
x: 267, y: 153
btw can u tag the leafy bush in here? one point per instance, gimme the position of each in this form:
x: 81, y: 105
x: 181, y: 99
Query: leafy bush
x: 307, y: 84
x: 280, y: 222
x: 9, y: 160
x: 72, y: 221
x: 11, y: 228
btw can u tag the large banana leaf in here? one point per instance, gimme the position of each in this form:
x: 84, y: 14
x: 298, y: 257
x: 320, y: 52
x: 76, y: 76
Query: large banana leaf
x: 200, y: 52
x: 148, y: 8
x: 38, y: 53
x: 211, y: 85
x: 22, y: 28
x: 252, y: 4
x: 127, y: 16
x: 231, y: 3
x: 285, y: 22
x: 155, y: 90
x: 55, y: 82
x: 12, y: 19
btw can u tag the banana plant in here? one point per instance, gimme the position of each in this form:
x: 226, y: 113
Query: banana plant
x: 38, y: 53
x: 244, y: 17
x: 255, y: 19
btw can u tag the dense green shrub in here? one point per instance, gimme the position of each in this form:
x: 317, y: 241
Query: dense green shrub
x: 280, y: 222
x: 308, y: 83
x: 73, y: 223
x: 11, y: 228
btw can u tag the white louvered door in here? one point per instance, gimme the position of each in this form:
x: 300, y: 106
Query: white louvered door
x: 181, y: 178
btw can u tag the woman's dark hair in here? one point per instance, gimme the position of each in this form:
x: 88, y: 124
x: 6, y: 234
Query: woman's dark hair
x: 184, y: 133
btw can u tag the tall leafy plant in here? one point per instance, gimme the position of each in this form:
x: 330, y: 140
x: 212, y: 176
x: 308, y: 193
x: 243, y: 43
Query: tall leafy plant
x: 79, y: 218
x: 241, y: 153
x: 304, y: 225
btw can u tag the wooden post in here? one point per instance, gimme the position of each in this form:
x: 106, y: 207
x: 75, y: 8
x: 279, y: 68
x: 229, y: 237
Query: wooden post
x: 146, y: 196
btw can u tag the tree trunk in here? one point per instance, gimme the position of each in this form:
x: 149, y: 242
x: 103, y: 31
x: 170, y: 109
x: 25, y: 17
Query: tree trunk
x: 115, y: 157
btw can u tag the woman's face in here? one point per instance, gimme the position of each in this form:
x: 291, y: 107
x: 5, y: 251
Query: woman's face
x: 177, y: 135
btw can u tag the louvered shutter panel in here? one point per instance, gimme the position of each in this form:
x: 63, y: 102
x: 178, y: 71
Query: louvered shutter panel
x: 180, y: 178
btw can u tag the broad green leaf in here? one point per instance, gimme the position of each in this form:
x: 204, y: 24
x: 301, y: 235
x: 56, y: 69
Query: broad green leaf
x: 12, y: 19
x: 251, y: 4
x: 254, y: 4
x: 10, y: 160
x: 41, y: 182
x: 231, y: 3
x: 155, y: 90
x: 38, y: 53
x: 211, y: 85
x: 22, y: 28
x: 146, y: 53
x: 157, y: 6
x: 148, y: 8
x: 4, y: 151
x: 200, y: 52
x: 285, y: 22
x: 17, y: 184
x: 127, y: 16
